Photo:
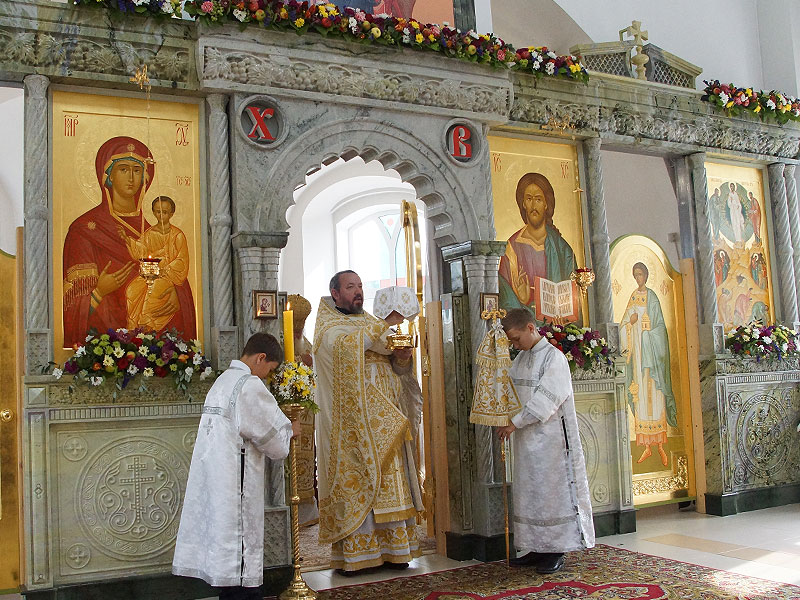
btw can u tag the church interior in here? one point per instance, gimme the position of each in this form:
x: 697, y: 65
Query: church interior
x: 623, y: 172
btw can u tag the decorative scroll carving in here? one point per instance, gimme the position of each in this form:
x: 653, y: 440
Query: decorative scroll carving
x: 276, y: 537
x: 762, y: 432
x: 261, y: 69
x: 63, y: 52
x: 154, y: 391
x: 128, y: 497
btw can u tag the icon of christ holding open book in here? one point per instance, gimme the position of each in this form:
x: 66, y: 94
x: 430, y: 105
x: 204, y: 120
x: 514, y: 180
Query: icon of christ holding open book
x: 535, y: 270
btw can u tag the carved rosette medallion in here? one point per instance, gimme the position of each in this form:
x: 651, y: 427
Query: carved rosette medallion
x: 762, y: 427
x: 128, y: 497
x: 78, y: 556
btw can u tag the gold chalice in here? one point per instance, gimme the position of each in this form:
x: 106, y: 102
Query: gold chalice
x: 583, y: 278
x: 149, y: 270
x: 398, y: 340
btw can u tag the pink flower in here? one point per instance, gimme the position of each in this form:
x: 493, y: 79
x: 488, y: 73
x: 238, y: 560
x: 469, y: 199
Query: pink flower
x: 207, y: 6
x: 501, y: 55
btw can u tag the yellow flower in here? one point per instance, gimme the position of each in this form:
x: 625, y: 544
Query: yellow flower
x: 471, y: 49
x: 299, y: 22
x: 431, y: 37
x: 173, y: 367
x: 419, y: 38
x: 376, y: 33
x: 729, y: 104
x: 284, y: 13
x: 573, y: 68
x: 757, y: 108
x: 322, y: 11
x: 414, y: 24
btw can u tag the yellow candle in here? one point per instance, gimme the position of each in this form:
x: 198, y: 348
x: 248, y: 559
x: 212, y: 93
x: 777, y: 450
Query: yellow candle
x: 288, y: 334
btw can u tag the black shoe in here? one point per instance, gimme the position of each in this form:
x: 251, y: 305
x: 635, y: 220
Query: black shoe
x: 395, y: 566
x: 528, y: 560
x: 344, y: 573
x: 550, y: 564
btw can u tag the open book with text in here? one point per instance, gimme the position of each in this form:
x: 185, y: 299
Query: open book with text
x: 555, y: 299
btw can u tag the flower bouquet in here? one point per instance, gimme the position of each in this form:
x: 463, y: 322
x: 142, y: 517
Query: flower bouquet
x: 120, y: 355
x: 156, y: 8
x: 583, y: 346
x: 772, y: 341
x: 540, y: 61
x: 734, y: 100
x: 293, y: 383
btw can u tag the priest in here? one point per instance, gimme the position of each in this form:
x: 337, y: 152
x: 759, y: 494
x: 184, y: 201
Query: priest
x: 552, y: 509
x: 367, y: 511
x: 221, y: 532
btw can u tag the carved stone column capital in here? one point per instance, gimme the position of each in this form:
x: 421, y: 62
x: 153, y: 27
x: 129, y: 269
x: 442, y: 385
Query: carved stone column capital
x: 217, y: 103
x: 36, y: 86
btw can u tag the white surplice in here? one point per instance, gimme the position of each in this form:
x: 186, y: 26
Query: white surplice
x: 221, y: 533
x: 552, y: 509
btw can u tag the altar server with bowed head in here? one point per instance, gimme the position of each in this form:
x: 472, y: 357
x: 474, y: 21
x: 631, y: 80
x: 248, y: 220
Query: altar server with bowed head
x: 552, y: 509
x: 221, y: 533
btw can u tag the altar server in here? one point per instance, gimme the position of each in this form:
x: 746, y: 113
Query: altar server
x: 552, y: 509
x: 221, y: 533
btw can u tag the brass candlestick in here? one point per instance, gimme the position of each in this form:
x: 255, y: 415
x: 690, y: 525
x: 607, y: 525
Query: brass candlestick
x: 583, y: 278
x: 297, y: 590
x: 149, y: 270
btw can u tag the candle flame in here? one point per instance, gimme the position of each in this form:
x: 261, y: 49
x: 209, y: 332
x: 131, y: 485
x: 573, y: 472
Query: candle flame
x: 288, y: 306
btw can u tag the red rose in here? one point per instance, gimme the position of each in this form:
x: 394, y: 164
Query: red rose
x: 326, y: 22
x: 123, y: 363
x: 96, y: 366
x: 161, y: 372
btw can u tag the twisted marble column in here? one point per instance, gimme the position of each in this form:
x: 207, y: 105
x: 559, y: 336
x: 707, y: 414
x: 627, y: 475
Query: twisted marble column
x: 794, y: 222
x: 37, y: 216
x: 601, y: 262
x: 220, y: 194
x: 783, y: 242
x: 705, y: 244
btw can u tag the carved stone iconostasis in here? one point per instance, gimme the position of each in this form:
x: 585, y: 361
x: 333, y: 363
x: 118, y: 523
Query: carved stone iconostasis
x: 649, y: 307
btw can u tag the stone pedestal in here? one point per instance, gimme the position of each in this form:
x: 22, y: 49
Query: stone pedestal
x: 104, y: 482
x: 750, y: 412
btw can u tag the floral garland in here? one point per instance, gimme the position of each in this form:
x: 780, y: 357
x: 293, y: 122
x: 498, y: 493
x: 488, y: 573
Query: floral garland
x: 294, y: 383
x: 583, y: 346
x: 755, y: 340
x: 734, y: 100
x: 120, y: 355
x: 356, y: 25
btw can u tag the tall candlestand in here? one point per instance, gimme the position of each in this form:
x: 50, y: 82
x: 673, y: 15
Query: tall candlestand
x: 297, y: 590
x: 505, y: 501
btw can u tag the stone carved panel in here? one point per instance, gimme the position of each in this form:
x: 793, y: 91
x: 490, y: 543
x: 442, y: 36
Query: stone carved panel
x: 119, y: 495
x: 257, y: 67
x: 277, y: 540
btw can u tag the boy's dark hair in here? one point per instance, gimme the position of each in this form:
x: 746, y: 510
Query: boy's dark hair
x: 334, y: 284
x: 266, y: 343
x: 517, y: 318
x: 165, y: 199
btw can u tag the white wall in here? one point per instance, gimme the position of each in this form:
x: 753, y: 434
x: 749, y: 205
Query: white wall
x: 11, y: 167
x: 640, y: 199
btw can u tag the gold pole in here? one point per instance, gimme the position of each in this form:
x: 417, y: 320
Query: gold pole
x: 297, y: 590
x: 505, y: 501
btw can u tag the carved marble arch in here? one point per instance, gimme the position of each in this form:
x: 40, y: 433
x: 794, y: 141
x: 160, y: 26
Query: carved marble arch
x: 417, y: 163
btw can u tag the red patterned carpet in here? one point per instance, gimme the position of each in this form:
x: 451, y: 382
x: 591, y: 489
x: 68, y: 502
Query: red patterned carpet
x: 603, y: 573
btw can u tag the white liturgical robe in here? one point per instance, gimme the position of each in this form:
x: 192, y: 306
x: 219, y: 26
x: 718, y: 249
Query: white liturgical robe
x: 552, y: 509
x: 221, y: 533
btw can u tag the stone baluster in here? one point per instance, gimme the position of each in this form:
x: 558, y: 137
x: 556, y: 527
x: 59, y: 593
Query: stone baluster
x: 783, y: 242
x: 37, y: 216
x: 705, y: 244
x: 598, y: 224
x: 794, y: 223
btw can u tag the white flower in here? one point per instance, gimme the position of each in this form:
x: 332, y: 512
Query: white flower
x: 197, y: 359
x: 207, y: 373
x: 57, y: 373
x: 548, y: 334
x: 552, y: 55
x: 189, y: 371
x: 133, y: 370
x: 353, y: 24
x: 569, y: 356
x: 96, y: 380
x: 603, y: 341
x: 167, y: 8
x: 766, y: 340
x: 593, y: 343
x: 119, y: 352
x: 473, y: 34
x: 724, y: 97
x: 108, y: 361
x: 771, y: 104
x: 144, y: 350
x: 580, y: 337
x: 182, y: 347
x: 550, y: 68
x: 80, y: 351
x: 784, y: 347
x: 88, y: 338
x: 148, y: 372
x: 756, y: 334
x: 406, y: 38
x: 571, y: 337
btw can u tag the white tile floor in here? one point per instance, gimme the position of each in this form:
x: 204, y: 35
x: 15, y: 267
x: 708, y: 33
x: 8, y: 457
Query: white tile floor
x: 763, y: 543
